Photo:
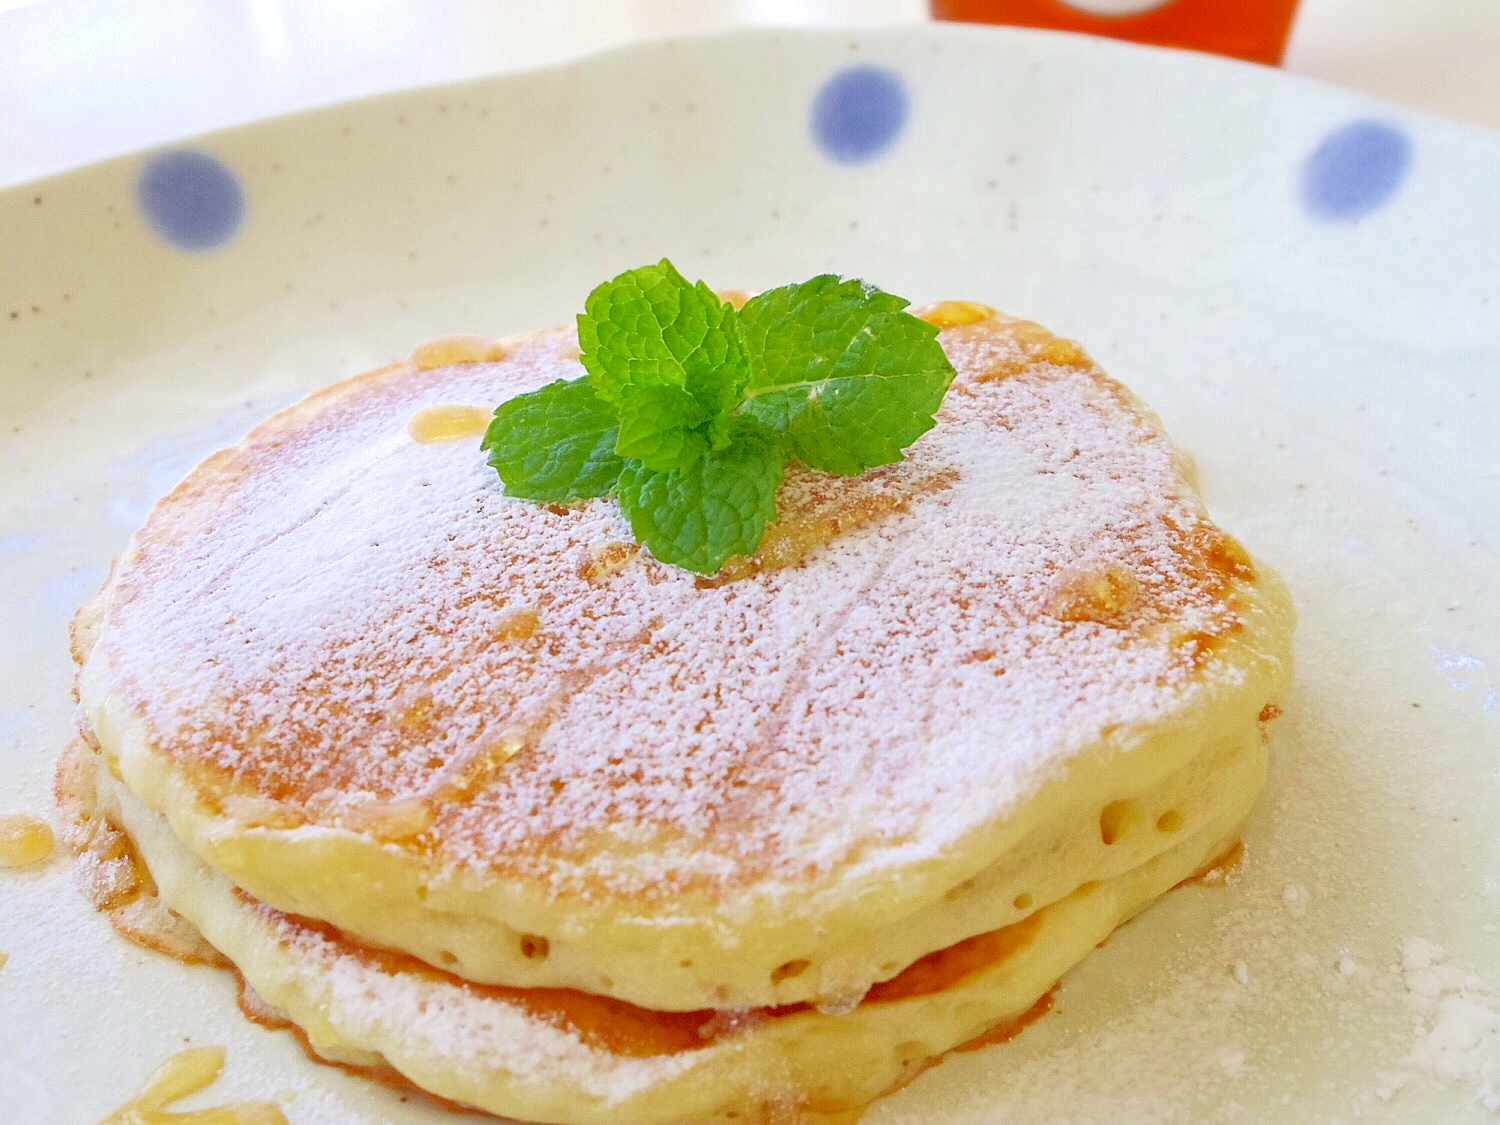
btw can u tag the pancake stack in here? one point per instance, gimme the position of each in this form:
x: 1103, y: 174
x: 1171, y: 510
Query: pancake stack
x: 475, y: 791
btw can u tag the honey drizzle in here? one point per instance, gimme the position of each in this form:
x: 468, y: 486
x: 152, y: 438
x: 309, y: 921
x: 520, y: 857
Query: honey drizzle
x: 447, y: 422
x: 1104, y: 595
x: 735, y: 297
x: 954, y: 314
x: 446, y: 351
x: 607, y: 560
x: 25, y: 840
x: 521, y: 625
x: 182, y: 1075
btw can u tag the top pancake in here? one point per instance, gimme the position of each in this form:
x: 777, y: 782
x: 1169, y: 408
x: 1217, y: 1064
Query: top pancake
x: 336, y: 649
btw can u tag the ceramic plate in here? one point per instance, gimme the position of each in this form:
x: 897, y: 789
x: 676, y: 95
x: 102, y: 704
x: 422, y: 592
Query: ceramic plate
x: 1306, y: 285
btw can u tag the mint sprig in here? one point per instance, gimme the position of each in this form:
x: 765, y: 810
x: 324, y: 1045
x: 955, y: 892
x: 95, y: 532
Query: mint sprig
x: 698, y: 516
x: 690, y: 410
x: 556, y: 444
x: 670, y: 356
x: 843, y: 372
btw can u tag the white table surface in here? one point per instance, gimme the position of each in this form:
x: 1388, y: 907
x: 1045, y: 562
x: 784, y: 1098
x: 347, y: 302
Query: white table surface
x: 85, y: 79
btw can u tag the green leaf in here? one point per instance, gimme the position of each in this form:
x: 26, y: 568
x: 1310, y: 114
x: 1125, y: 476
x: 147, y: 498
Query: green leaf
x: 658, y: 425
x: 555, y: 444
x: 699, y: 516
x: 667, y: 354
x: 690, y: 411
x: 838, y: 368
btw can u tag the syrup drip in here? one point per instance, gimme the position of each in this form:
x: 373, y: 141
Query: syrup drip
x: 447, y: 423
x: 24, y: 840
x: 735, y: 297
x: 182, y: 1075
x: 1102, y: 595
x: 445, y: 351
x: 606, y: 560
x: 954, y: 314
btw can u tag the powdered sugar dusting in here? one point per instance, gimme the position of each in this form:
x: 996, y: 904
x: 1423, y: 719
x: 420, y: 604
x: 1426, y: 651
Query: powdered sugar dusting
x: 325, y: 615
x: 462, y: 1025
x: 1457, y: 1015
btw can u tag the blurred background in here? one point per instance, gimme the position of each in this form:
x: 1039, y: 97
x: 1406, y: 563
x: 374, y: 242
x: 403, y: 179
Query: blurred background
x: 85, y: 79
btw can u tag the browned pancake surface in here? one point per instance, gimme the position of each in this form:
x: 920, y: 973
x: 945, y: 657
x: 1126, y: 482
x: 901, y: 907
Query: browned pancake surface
x: 331, y: 623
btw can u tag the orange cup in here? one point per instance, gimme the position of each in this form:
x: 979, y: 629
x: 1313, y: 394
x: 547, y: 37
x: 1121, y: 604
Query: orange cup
x: 1246, y: 29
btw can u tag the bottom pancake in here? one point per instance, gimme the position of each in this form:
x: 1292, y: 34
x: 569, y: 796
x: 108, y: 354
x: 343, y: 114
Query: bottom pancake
x: 555, y: 1055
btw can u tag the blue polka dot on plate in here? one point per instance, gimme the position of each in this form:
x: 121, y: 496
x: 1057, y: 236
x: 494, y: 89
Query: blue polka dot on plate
x: 859, y: 113
x: 191, y: 199
x: 1355, y: 170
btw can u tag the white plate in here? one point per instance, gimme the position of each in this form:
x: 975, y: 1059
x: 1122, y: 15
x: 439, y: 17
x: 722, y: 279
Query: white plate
x: 1303, y: 283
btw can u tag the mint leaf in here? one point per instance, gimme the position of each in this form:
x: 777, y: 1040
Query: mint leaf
x: 667, y: 354
x: 701, y: 515
x: 838, y: 368
x: 659, y: 425
x: 690, y: 411
x: 555, y: 444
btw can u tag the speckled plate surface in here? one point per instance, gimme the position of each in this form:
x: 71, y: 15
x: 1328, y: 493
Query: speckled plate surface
x: 1306, y: 286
